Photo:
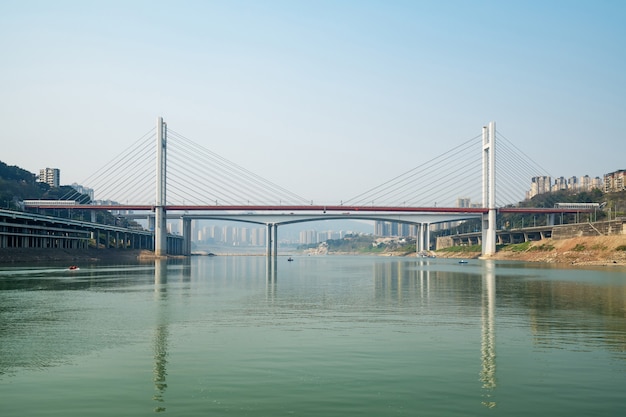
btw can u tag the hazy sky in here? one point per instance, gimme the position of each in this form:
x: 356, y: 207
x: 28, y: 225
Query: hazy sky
x: 325, y: 98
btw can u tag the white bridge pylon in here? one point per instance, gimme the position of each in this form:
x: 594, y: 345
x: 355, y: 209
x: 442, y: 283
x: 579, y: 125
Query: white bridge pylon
x: 272, y: 217
x: 489, y: 189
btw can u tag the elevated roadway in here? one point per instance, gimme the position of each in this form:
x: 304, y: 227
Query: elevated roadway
x: 274, y: 215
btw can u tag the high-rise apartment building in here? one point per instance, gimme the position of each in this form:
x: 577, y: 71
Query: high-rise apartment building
x: 560, y: 184
x: 388, y: 229
x: 615, y: 181
x: 83, y: 190
x: 539, y: 185
x: 50, y: 176
x: 463, y: 202
x: 307, y: 237
x: 258, y: 237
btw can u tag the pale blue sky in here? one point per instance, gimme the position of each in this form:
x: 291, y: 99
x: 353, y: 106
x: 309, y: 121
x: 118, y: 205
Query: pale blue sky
x: 326, y: 98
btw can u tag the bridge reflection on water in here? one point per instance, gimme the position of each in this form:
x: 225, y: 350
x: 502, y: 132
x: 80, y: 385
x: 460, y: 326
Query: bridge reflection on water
x: 391, y: 279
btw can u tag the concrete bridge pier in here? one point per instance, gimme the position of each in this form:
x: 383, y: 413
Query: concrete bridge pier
x: 268, y: 240
x: 186, y: 236
x: 423, y: 237
x: 272, y: 240
x: 419, y: 240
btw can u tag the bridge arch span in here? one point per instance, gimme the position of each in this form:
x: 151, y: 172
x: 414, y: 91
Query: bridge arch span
x: 421, y: 220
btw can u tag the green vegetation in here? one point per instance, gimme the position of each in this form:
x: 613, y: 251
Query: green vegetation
x: 621, y: 248
x: 365, y: 245
x: 517, y: 247
x: 462, y: 249
x: 579, y: 247
x: 370, y: 250
x: 350, y: 243
x: 17, y: 184
x: 542, y: 248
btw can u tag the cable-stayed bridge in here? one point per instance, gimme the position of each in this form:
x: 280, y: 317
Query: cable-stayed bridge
x: 196, y: 176
x: 169, y: 175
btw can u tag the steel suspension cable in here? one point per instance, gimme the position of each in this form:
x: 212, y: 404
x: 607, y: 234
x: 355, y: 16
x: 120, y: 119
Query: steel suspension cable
x: 242, y: 176
x: 408, y: 178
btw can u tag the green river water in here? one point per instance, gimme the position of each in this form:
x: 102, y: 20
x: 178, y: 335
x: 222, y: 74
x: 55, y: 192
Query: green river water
x: 319, y: 336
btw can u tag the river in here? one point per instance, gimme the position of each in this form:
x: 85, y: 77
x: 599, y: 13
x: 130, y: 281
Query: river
x: 322, y: 335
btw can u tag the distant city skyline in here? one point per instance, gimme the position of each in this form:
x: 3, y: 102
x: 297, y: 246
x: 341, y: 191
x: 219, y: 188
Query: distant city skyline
x: 255, y: 236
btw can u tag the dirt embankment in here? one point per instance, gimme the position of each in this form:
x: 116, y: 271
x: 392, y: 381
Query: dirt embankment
x: 599, y: 250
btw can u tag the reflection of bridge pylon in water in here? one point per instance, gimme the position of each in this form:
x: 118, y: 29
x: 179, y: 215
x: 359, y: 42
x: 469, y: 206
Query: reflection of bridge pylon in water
x: 488, y: 344
x: 160, y: 336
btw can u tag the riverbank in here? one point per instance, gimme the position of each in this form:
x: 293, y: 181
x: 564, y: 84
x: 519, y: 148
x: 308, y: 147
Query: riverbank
x: 597, y: 250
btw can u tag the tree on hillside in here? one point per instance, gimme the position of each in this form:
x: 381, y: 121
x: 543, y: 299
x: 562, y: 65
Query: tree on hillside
x: 15, y: 173
x: 17, y: 184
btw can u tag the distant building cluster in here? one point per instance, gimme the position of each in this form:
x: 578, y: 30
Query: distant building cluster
x: 83, y: 190
x: 544, y: 184
x: 231, y: 236
x: 50, y: 176
x: 244, y: 236
x: 466, y: 202
x: 394, y: 229
x: 309, y: 237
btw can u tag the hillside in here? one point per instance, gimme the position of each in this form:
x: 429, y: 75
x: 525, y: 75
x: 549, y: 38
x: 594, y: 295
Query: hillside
x: 17, y: 184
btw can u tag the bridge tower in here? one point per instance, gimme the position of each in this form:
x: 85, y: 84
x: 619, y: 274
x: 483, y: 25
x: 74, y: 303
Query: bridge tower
x: 160, y: 224
x: 489, y: 189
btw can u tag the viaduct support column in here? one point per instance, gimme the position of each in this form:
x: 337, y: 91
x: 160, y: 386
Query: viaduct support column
x: 417, y: 234
x: 419, y: 239
x: 268, y: 240
x: 275, y: 249
x: 186, y: 236
x: 160, y: 223
x: 424, y: 236
x: 489, y: 189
